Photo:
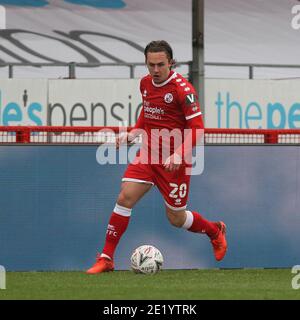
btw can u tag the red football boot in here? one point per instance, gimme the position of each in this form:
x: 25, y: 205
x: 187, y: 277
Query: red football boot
x: 219, y: 243
x: 102, y: 265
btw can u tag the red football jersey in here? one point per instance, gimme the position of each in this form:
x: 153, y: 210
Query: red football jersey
x: 168, y: 105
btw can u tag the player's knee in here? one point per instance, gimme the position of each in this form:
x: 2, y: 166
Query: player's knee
x: 175, y: 218
x: 125, y: 199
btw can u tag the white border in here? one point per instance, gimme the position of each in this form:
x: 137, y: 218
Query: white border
x: 193, y: 115
x: 174, y: 75
x: 137, y: 180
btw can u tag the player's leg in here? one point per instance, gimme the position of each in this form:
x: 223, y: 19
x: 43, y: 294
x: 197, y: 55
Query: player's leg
x: 195, y: 222
x: 174, y: 187
x: 192, y: 221
x: 135, y: 184
x: 131, y: 193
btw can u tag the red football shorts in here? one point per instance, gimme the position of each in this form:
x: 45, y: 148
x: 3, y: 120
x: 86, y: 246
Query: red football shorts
x: 174, y: 186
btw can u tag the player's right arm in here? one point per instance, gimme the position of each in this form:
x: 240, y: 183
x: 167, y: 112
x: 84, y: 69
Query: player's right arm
x: 127, y: 137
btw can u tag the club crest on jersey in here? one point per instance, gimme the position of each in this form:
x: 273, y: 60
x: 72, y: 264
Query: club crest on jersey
x: 190, y: 98
x: 168, y: 98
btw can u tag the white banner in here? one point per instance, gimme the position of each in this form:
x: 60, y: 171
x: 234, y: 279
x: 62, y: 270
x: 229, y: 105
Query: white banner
x: 23, y: 102
x: 250, y: 104
x: 93, y: 102
x: 253, y: 104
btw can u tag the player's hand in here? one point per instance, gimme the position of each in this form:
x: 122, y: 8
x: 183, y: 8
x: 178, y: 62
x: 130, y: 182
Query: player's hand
x: 173, y: 162
x: 123, y: 138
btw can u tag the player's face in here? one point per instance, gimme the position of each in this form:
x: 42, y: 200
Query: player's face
x: 159, y: 66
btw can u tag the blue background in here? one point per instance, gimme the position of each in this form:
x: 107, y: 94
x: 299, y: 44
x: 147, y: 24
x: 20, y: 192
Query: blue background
x: 56, y: 201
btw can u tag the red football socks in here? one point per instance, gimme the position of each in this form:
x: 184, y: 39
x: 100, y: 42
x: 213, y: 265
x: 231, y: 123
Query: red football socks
x: 196, y: 223
x: 116, y: 227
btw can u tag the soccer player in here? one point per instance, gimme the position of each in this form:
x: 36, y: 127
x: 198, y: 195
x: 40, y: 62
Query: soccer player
x: 169, y: 102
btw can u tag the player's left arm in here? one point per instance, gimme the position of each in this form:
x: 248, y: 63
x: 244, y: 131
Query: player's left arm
x: 193, y: 132
x: 193, y: 135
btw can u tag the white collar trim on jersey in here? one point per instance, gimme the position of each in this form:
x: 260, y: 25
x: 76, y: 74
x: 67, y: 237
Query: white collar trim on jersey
x: 174, y: 75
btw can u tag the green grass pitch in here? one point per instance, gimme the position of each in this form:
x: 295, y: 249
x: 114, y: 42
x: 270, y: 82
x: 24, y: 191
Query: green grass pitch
x: 168, y: 284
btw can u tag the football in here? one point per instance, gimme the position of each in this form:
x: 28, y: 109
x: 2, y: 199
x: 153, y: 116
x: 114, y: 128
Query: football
x: 146, y: 259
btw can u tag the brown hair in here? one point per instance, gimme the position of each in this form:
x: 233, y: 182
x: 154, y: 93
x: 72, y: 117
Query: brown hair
x: 159, y: 46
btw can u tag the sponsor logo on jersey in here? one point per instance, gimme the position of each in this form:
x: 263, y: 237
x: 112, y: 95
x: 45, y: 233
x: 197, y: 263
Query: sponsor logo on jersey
x: 187, y: 89
x: 168, y: 98
x: 153, y: 112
